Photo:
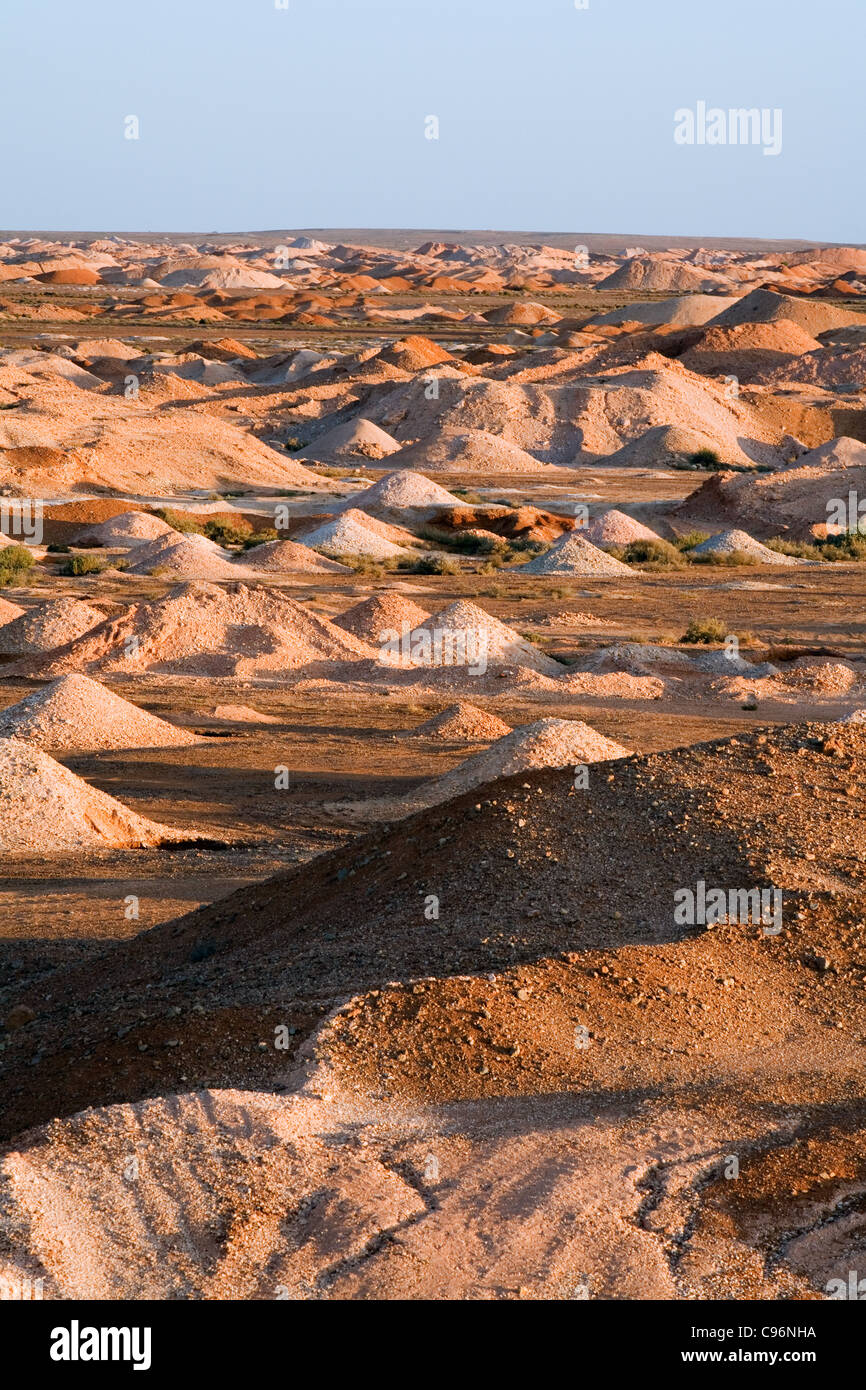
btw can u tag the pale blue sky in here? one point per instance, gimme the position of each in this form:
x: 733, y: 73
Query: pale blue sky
x: 551, y: 118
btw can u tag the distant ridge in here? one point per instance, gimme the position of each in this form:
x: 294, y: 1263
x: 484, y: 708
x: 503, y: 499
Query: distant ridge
x: 405, y: 238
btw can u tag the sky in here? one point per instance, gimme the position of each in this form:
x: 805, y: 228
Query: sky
x: 548, y: 117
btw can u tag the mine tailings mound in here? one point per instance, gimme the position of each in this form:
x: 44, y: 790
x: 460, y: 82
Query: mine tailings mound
x: 524, y: 869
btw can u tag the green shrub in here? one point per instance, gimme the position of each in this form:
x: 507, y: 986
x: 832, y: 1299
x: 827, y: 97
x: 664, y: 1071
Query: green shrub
x: 521, y: 545
x: 689, y: 541
x: 15, y: 562
x: 180, y: 521
x: 16, y: 557
x: 705, y: 458
x: 847, y: 546
x: 705, y: 631
x: 435, y: 564
x: 227, y: 532
x: 83, y: 564
x: 362, y: 564
x: 802, y: 550
x: 56, y: 549
x: 652, y: 555
x: 459, y: 541
x: 259, y: 537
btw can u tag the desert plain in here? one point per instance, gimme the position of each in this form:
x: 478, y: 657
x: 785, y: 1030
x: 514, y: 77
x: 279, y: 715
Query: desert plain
x: 400, y: 641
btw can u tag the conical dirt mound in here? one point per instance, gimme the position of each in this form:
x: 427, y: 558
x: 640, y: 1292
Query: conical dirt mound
x: 208, y: 630
x: 352, y: 534
x: 405, y: 488
x: 76, y: 712
x: 129, y: 528
x: 45, y: 809
x: 464, y: 635
x: 574, y: 555
x: 616, y: 528
x: 48, y: 625
x: 463, y: 723
x: 359, y: 438
x: 735, y: 541
x: 381, y: 613
x: 546, y: 743
x: 287, y: 557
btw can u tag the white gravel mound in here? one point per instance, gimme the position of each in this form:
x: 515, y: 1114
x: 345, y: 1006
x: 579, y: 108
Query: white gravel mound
x: 127, y: 529
x: 471, y: 451
x: 350, y: 535
x: 546, y: 743
x: 464, y: 635
x: 358, y: 438
x: 45, y: 809
x: 727, y: 542
x: 187, y: 556
x: 462, y: 723
x: 287, y: 557
x: 76, y: 712
x: 405, y: 488
x: 684, y: 311
x: 47, y: 626
x: 573, y: 554
x: 616, y: 528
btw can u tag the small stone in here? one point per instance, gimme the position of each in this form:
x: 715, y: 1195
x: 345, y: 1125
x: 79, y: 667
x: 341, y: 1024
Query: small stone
x: 18, y: 1017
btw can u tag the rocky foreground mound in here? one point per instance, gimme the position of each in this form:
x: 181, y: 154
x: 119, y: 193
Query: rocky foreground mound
x: 601, y: 868
x: 516, y: 1009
